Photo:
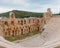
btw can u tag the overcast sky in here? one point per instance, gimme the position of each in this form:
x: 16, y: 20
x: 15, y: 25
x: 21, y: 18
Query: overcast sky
x: 30, y: 5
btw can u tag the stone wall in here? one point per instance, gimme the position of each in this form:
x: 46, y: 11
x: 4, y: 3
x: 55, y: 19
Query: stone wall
x: 18, y: 26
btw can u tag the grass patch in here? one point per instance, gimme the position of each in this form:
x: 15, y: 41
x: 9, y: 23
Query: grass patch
x: 11, y: 39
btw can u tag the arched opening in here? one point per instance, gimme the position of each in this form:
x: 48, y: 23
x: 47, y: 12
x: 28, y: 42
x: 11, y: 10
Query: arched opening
x: 5, y: 34
x: 12, y: 22
x: 24, y: 21
x: 18, y: 22
x: 21, y: 22
x: 38, y: 29
x: 29, y: 29
x: 12, y: 15
x: 21, y: 31
x: 13, y: 33
x: 6, y: 23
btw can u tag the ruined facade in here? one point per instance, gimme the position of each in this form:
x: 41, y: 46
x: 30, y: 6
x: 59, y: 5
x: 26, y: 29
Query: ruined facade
x: 47, y: 15
x: 18, y: 26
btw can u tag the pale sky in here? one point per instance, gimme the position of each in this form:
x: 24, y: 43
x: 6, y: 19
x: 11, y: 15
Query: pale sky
x: 30, y: 5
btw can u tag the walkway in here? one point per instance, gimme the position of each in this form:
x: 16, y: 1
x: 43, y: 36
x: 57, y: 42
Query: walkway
x: 48, y: 39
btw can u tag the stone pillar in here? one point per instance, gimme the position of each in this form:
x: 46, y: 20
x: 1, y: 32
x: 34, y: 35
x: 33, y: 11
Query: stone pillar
x: 49, y: 11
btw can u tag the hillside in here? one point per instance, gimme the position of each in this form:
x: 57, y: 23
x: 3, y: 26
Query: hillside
x: 22, y: 14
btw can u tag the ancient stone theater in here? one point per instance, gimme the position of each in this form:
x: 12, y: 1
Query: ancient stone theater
x: 18, y: 26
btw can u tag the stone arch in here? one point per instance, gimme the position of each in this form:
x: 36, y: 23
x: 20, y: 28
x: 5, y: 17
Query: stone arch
x: 11, y: 15
x: 29, y: 29
x: 21, y: 31
x: 21, y: 22
x: 24, y: 21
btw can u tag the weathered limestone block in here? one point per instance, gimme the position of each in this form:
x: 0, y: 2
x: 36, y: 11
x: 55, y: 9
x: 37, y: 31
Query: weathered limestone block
x: 47, y: 15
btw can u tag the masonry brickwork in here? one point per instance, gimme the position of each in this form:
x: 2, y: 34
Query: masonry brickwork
x: 18, y: 26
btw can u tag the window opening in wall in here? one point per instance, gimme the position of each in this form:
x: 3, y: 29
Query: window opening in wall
x: 21, y: 22
x: 18, y: 22
x: 29, y: 29
x: 24, y: 21
x: 6, y: 23
x: 29, y: 20
x: 21, y: 31
x: 38, y: 28
x: 12, y: 22
x: 13, y: 33
x: 5, y: 33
